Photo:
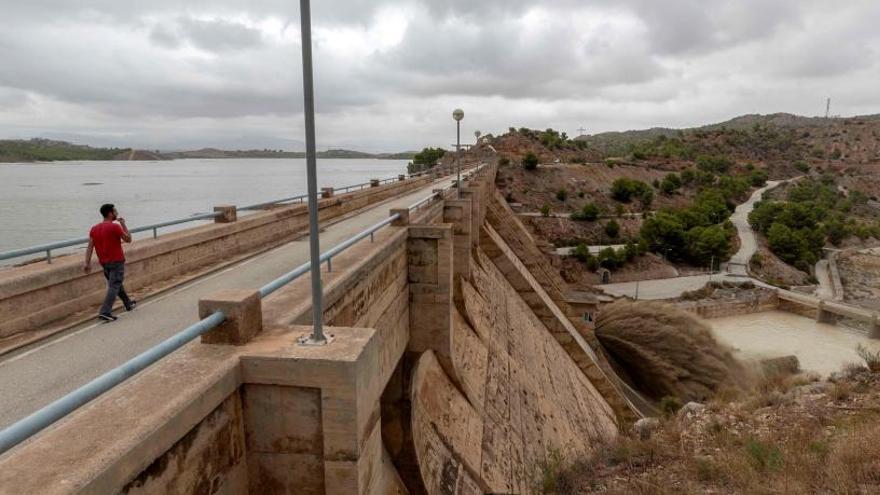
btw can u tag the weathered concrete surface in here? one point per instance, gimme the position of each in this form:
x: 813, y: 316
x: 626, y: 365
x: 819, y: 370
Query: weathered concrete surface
x: 506, y: 241
x: 534, y: 398
x: 757, y: 303
x: 36, y: 294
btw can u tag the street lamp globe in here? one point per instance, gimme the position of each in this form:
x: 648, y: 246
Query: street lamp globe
x: 458, y: 114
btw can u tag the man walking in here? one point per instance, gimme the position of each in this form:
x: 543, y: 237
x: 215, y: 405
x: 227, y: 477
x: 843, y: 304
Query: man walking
x: 106, y: 238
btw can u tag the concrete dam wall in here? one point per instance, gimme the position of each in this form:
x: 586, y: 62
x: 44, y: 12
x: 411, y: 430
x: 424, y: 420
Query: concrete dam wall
x: 451, y: 370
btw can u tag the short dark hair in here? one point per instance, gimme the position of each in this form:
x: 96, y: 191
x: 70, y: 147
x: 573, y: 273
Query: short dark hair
x: 106, y: 209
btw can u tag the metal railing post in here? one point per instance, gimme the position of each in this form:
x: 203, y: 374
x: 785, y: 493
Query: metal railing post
x: 49, y: 256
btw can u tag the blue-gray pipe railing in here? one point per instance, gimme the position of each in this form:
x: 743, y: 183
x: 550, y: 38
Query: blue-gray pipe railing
x: 32, y: 424
x: 48, y: 248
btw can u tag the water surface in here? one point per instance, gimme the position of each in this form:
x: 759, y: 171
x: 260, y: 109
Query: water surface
x: 47, y: 202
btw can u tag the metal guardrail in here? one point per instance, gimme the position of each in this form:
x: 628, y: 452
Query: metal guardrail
x: 32, y: 424
x: 49, y: 247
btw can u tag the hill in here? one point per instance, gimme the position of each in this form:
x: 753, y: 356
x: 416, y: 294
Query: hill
x: 46, y: 150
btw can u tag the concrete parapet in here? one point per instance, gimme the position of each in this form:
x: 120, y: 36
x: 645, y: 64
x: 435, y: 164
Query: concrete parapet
x: 229, y: 214
x: 326, y: 192
x: 403, y: 217
x: 823, y: 315
x: 244, y: 316
x: 458, y: 212
x: 429, y: 274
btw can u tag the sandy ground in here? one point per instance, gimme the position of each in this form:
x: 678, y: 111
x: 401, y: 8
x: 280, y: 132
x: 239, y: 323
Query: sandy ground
x: 820, y: 348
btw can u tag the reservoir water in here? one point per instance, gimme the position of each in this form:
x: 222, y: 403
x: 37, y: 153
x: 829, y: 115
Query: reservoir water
x: 47, y: 202
x: 820, y: 348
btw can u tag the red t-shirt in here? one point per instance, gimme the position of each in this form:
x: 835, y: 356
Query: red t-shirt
x: 107, y: 237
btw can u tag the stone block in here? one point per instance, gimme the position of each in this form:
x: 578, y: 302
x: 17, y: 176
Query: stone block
x: 403, y: 217
x: 244, y: 316
x: 228, y: 215
x: 326, y: 192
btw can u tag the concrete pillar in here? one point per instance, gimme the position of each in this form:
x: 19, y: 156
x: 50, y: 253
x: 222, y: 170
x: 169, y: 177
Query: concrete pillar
x: 429, y: 254
x: 458, y: 213
x: 228, y: 214
x: 326, y: 192
x: 403, y: 218
x: 244, y: 316
x: 374, y: 182
x: 824, y: 316
x: 312, y: 414
x: 401, y: 177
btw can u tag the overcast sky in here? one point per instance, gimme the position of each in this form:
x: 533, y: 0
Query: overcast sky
x: 171, y: 73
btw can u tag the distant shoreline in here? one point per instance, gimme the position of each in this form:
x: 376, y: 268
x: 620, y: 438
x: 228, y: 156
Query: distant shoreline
x: 48, y: 151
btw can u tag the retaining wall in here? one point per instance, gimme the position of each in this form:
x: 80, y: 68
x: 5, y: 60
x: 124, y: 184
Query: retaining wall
x: 764, y: 301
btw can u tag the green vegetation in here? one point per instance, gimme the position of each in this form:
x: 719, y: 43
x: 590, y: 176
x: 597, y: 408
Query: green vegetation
x: 590, y: 212
x: 609, y: 257
x: 714, y: 163
x: 562, y: 195
x: 701, y: 232
x: 530, y: 161
x: 545, y: 210
x: 612, y: 229
x: 814, y: 213
x: 44, y: 150
x: 425, y: 160
x: 670, y: 184
x: 624, y: 190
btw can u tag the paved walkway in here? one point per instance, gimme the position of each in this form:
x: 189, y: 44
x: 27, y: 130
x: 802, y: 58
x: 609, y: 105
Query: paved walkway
x: 36, y: 376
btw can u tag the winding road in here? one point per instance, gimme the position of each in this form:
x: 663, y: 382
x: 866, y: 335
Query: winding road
x: 737, y: 266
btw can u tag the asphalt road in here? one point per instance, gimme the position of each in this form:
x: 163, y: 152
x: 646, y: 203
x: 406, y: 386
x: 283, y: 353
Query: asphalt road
x: 40, y: 374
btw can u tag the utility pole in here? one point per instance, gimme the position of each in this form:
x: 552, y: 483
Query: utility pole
x: 317, y: 337
x: 827, y: 108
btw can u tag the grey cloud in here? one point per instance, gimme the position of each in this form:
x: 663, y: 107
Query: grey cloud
x: 608, y: 64
x: 220, y: 35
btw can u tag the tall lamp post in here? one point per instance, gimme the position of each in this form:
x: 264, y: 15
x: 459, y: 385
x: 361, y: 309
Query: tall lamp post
x: 458, y: 114
x: 317, y: 337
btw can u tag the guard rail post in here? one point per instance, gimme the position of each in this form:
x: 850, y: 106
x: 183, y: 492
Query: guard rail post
x: 226, y: 214
x: 244, y: 316
x: 402, y: 219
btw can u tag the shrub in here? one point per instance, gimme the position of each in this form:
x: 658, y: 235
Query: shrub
x: 624, y: 189
x: 802, y: 166
x: 425, y: 159
x: 612, y: 229
x: 562, y: 195
x: 669, y: 405
x: 590, y: 212
x: 872, y: 358
x: 714, y: 164
x: 530, y: 161
x: 545, y: 210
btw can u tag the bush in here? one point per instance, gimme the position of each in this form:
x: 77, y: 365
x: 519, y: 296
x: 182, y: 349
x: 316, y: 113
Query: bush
x: 802, y: 166
x: 562, y: 195
x: 714, y: 164
x: 669, y: 405
x: 612, y: 229
x: 624, y: 189
x: 530, y: 161
x: 545, y: 210
x: 425, y: 159
x: 590, y: 212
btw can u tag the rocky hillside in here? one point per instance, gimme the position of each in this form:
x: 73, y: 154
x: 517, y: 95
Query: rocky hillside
x: 790, y: 434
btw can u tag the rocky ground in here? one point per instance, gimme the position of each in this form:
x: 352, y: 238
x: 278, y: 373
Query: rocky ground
x: 789, y: 434
x: 766, y: 266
